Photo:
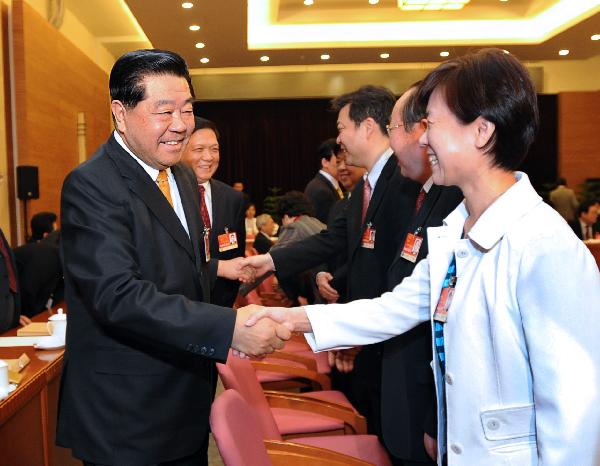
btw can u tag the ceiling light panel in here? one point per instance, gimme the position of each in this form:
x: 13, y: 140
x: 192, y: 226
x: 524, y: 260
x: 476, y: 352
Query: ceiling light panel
x: 431, y: 5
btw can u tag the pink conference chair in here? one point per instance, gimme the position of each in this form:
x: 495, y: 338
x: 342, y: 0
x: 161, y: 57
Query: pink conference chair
x: 232, y: 422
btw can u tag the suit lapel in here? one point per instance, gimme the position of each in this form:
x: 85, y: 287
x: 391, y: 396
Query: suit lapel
x: 327, y: 183
x: 190, y: 200
x: 146, y: 190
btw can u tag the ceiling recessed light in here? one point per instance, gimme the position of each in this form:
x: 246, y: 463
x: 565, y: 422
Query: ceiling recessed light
x: 506, y: 51
x: 264, y: 58
x: 373, y: 2
x: 563, y: 52
x: 384, y: 55
x: 595, y: 37
x: 187, y: 5
x: 309, y: 2
x: 204, y: 60
x: 444, y: 54
x: 194, y: 27
x: 504, y: 0
x: 200, y: 45
x: 325, y: 56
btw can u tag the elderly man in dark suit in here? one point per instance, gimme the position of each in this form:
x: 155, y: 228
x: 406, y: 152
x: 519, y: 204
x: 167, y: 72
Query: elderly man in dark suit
x: 584, y: 225
x: 142, y: 339
x: 324, y: 190
x: 221, y: 207
x: 408, y: 405
x: 369, y: 230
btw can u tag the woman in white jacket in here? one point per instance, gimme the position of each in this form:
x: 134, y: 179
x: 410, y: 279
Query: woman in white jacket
x: 517, y: 347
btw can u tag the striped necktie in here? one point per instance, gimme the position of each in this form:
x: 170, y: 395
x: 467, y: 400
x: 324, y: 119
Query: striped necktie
x: 203, y: 209
x: 162, y: 180
x: 365, y: 200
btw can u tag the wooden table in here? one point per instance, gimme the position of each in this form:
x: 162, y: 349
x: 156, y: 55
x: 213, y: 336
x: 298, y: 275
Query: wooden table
x: 28, y: 415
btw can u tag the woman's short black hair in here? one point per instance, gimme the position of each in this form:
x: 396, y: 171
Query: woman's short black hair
x: 294, y: 203
x: 129, y: 71
x: 495, y: 85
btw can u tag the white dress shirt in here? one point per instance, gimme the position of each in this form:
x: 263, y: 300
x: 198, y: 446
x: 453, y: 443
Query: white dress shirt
x: 522, y: 339
x: 153, y: 173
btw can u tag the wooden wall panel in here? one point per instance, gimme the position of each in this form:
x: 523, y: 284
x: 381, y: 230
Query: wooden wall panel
x: 54, y: 81
x: 579, y: 136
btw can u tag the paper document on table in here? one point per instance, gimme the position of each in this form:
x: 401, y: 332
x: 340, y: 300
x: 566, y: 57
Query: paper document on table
x: 18, y: 341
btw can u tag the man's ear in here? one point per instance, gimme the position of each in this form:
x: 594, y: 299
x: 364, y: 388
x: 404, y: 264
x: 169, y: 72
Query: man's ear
x: 370, y: 126
x: 485, y: 130
x: 118, y: 110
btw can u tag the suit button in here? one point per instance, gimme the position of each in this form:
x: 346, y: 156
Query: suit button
x: 456, y: 448
x: 203, y: 350
x: 449, y: 379
x: 211, y: 351
x: 493, y: 424
x: 190, y: 347
x: 196, y: 349
x: 462, y: 253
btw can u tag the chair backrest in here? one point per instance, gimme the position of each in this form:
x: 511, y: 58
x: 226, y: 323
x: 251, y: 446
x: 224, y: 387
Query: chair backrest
x: 238, y: 374
x: 232, y: 423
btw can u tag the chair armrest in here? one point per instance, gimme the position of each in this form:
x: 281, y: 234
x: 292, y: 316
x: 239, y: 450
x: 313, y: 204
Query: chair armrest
x: 321, y: 380
x: 308, y: 363
x: 354, y: 422
x: 294, y: 454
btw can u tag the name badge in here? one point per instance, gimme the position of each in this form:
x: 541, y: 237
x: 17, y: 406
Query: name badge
x: 227, y: 241
x: 206, y: 238
x: 368, y: 239
x: 441, y: 310
x: 412, y: 246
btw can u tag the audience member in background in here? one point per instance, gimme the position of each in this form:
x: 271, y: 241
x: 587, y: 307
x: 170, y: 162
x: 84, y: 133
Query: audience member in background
x: 266, y: 229
x: 250, y: 221
x: 512, y: 295
x: 324, y: 190
x: 239, y: 186
x: 221, y: 206
x: 408, y: 403
x: 369, y: 231
x: 39, y: 266
x: 298, y: 223
x: 10, y: 301
x: 585, y: 224
x: 563, y: 199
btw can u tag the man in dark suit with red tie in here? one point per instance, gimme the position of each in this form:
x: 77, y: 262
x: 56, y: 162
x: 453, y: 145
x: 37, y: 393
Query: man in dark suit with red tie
x: 369, y: 230
x: 221, y: 206
x: 10, y: 302
x: 408, y: 405
x: 142, y: 341
x: 323, y: 190
x: 584, y: 225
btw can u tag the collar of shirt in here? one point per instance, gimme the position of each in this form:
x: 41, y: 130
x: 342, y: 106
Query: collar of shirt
x: 373, y: 175
x: 152, y: 172
x: 428, y: 184
x: 330, y: 178
x: 519, y: 199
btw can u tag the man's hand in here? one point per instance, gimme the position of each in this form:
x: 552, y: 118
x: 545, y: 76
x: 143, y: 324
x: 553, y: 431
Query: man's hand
x: 343, y: 360
x: 325, y: 289
x: 24, y: 320
x: 430, y: 446
x: 235, y: 269
x: 294, y: 318
x: 261, y: 264
x: 263, y: 338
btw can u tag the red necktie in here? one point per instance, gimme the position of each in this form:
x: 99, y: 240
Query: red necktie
x: 12, y: 278
x: 420, y: 200
x: 588, y: 230
x: 203, y: 209
x: 365, y: 200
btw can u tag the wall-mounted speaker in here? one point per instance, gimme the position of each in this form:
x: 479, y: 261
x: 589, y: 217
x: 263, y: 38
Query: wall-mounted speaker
x: 28, y: 186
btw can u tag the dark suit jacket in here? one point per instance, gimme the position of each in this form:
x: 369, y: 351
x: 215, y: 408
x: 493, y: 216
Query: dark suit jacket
x: 136, y: 385
x: 576, y: 227
x: 322, y: 196
x: 262, y: 244
x: 40, y: 275
x: 408, y: 405
x: 7, y: 321
x: 227, y: 212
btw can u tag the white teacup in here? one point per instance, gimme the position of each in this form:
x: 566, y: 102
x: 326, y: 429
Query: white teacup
x: 3, y: 380
x: 58, y: 325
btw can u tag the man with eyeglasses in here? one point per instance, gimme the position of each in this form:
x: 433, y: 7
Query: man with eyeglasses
x: 221, y: 206
x: 368, y: 231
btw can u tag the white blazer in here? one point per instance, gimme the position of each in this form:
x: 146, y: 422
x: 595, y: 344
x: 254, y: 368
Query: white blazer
x: 522, y: 340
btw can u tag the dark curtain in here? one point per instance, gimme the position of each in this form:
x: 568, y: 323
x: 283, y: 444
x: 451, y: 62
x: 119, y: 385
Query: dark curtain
x: 273, y: 143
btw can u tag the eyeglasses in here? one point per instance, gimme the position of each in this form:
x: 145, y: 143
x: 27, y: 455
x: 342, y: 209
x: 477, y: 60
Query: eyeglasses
x: 389, y: 128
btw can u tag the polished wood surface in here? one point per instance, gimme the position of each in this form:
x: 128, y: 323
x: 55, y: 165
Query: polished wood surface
x: 594, y: 247
x: 28, y: 415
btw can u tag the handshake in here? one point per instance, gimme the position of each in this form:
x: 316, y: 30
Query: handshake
x: 245, y: 269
